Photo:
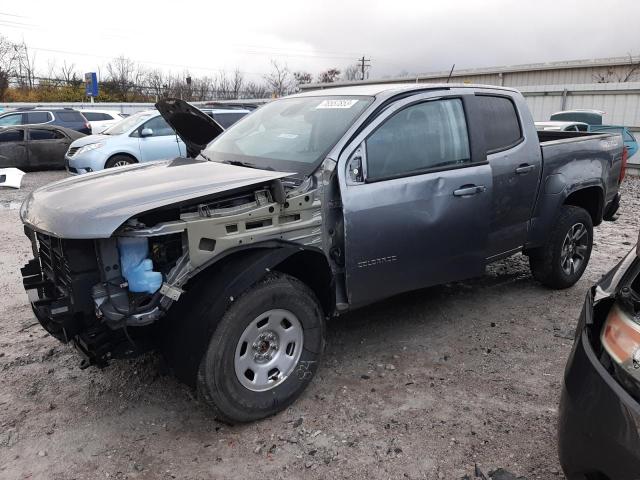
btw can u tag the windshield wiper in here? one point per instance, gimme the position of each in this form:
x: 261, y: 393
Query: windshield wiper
x: 246, y: 164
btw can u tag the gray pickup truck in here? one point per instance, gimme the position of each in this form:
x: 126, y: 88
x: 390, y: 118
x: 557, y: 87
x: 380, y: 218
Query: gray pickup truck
x: 230, y: 261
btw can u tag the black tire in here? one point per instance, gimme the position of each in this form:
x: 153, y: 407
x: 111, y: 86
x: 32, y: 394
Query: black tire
x: 547, y: 261
x: 217, y: 382
x: 118, y: 161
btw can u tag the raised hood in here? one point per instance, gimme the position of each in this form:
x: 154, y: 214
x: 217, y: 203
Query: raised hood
x: 194, y: 127
x: 94, y: 205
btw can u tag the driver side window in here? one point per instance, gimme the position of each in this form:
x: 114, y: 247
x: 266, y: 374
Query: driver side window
x: 159, y: 126
x: 418, y: 138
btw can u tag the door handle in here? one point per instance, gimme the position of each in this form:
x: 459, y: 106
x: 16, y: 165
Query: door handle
x: 468, y: 190
x: 524, y: 168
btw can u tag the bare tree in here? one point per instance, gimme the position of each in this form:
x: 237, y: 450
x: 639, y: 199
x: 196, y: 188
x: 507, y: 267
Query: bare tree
x: 26, y: 74
x: 279, y: 81
x: 8, y: 62
x: 237, y: 83
x: 329, y: 76
x: 628, y: 74
x: 302, y: 78
x: 123, y: 77
x: 157, y: 83
x: 68, y: 74
x: 351, y: 73
x: 256, y: 90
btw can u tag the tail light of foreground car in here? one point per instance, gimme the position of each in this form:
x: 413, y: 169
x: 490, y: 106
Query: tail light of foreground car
x: 621, y: 339
x: 623, y: 167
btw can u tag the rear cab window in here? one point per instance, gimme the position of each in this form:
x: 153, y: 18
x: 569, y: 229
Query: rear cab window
x: 501, y: 124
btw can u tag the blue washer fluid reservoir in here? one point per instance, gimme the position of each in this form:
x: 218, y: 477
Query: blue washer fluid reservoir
x: 137, y: 268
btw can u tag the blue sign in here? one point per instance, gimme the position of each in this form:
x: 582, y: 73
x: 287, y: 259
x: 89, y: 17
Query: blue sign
x: 91, y: 84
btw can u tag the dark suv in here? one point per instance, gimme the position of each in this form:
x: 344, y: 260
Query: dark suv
x: 63, y: 117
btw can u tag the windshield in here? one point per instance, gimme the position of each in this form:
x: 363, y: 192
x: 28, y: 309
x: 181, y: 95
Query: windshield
x: 292, y: 134
x: 127, y: 123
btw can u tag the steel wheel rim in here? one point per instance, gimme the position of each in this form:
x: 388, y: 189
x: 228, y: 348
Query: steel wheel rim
x: 574, y: 249
x: 121, y: 163
x: 268, y: 350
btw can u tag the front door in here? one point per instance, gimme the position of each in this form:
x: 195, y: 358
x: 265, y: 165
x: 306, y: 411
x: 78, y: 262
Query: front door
x: 158, y: 141
x: 419, y: 214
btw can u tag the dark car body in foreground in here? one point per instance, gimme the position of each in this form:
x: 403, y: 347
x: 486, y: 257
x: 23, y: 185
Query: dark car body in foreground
x: 599, y: 425
x: 35, y: 147
x: 310, y: 206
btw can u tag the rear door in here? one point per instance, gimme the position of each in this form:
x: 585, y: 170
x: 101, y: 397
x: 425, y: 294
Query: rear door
x: 38, y: 117
x: 13, y: 151
x: 46, y: 147
x: 161, y: 144
x: 515, y: 168
x: 419, y: 213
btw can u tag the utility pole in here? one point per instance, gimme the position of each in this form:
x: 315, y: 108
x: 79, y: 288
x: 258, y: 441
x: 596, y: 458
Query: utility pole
x: 364, y: 63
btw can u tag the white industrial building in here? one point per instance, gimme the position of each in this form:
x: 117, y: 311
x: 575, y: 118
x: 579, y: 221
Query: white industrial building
x: 608, y: 84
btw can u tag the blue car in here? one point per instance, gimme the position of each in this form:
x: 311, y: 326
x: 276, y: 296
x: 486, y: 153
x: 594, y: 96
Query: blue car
x: 594, y: 119
x: 142, y: 137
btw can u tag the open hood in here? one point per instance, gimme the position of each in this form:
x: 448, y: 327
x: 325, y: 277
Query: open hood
x: 195, y: 128
x: 94, y: 205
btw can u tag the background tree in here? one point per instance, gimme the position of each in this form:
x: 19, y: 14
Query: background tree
x: 329, y: 76
x: 279, y: 80
x: 351, y: 73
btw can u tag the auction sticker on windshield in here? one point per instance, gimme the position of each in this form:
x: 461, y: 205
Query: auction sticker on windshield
x: 337, y: 104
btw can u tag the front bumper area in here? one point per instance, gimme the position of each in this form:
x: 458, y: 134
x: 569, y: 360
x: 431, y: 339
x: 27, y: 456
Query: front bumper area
x: 599, y: 422
x: 58, y: 282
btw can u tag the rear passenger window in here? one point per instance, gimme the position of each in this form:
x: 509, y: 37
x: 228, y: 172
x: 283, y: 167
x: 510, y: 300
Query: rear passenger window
x: 96, y: 116
x: 70, y: 116
x: 12, y: 136
x: 38, y: 117
x: 500, y: 122
x: 42, y: 134
x: 420, y: 137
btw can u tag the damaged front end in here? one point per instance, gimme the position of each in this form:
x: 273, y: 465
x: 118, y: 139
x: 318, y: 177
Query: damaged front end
x: 106, y: 295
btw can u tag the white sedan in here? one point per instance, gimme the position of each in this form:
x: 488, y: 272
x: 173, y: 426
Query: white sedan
x: 101, y: 119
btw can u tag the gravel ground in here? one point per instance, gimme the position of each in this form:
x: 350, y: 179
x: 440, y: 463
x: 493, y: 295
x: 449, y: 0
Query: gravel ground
x: 424, y: 385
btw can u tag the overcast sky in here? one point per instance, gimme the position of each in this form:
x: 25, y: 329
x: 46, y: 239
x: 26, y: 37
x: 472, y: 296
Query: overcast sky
x: 398, y: 36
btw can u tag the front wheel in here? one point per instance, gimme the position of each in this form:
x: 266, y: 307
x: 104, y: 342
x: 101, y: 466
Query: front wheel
x: 264, y: 352
x: 563, y: 259
x: 119, y: 161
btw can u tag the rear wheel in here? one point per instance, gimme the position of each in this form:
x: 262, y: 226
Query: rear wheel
x: 264, y: 351
x: 119, y: 161
x: 563, y: 259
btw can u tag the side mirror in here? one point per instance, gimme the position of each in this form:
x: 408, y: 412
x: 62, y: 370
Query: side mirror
x: 146, y: 132
x: 354, y: 167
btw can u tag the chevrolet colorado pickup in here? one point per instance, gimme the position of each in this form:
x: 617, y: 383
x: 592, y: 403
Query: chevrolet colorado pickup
x: 230, y: 261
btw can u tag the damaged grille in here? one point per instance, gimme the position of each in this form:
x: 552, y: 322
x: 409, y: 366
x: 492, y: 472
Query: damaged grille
x: 59, y: 281
x: 55, y: 267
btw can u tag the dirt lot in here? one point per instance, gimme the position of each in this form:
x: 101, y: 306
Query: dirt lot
x: 421, y: 386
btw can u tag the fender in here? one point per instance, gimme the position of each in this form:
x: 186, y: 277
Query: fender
x: 554, y: 193
x: 183, y: 337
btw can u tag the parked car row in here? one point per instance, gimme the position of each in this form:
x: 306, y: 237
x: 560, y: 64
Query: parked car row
x: 142, y: 137
x: 36, y: 139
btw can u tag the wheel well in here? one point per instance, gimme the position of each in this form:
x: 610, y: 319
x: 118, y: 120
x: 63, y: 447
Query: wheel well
x: 123, y: 154
x: 312, y: 268
x: 591, y: 199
